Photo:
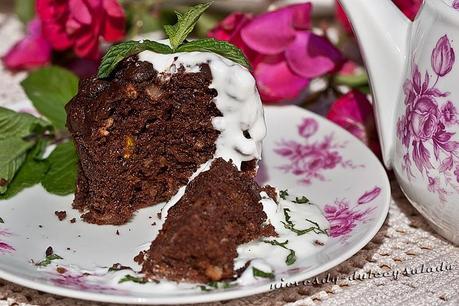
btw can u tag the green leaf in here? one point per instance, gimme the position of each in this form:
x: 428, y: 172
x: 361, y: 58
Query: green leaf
x: 130, y: 278
x: 61, y: 177
x: 49, y: 89
x: 12, y: 154
x: 178, y: 32
x: 120, y: 51
x: 31, y: 172
x: 301, y: 200
x: 354, y: 80
x: 19, y: 125
x: 45, y: 262
x: 222, y: 48
x: 1, y: 220
x: 260, y: 273
x: 25, y: 9
x: 291, y: 258
x: 283, y: 194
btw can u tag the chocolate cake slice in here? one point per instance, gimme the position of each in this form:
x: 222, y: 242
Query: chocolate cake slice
x: 220, y: 210
x: 139, y: 137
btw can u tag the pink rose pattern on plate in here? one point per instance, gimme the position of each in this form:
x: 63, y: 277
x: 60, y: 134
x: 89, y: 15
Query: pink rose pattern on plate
x: 343, y: 218
x: 310, y: 159
x: 5, y: 247
x: 425, y: 129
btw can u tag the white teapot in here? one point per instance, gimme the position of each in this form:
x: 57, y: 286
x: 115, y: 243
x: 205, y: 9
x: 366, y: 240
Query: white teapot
x: 414, y: 75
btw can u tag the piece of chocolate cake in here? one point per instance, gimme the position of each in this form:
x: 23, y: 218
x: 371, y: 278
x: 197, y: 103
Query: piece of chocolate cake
x: 220, y: 210
x: 143, y: 132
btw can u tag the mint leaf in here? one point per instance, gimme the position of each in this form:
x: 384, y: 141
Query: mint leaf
x: 25, y: 9
x: 178, y: 32
x: 283, y: 194
x: 12, y: 154
x: 130, y: 278
x: 61, y: 177
x: 222, y: 48
x: 301, y: 200
x: 120, y: 51
x: 19, y: 125
x: 49, y: 89
x: 31, y: 172
x: 48, y: 259
x: 291, y: 258
x: 259, y: 273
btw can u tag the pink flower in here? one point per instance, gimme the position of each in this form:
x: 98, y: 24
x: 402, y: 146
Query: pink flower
x: 354, y: 113
x: 443, y: 57
x: 424, y: 118
x: 369, y: 196
x: 342, y: 218
x: 79, y: 24
x: 449, y: 113
x: 30, y: 52
x: 284, y: 53
x: 308, y: 128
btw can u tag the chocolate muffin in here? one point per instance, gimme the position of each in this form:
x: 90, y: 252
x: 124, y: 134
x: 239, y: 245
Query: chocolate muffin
x: 139, y: 137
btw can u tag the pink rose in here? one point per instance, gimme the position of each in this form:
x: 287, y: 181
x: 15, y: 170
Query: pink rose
x: 342, y: 219
x: 449, y: 113
x: 354, y: 113
x: 79, y: 24
x: 281, y: 48
x: 308, y: 128
x: 30, y: 52
x: 424, y: 119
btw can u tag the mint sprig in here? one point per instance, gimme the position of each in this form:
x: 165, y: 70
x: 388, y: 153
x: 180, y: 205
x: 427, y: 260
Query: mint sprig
x: 178, y: 32
x: 177, y: 35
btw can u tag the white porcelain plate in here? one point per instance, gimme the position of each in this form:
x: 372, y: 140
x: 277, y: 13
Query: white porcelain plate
x: 303, y: 153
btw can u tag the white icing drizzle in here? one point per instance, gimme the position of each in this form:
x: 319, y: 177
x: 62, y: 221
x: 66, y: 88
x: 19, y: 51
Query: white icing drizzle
x: 238, y: 101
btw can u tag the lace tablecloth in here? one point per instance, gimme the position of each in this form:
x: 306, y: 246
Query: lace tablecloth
x: 404, y: 241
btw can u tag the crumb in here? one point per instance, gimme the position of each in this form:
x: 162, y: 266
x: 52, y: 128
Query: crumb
x: 118, y: 232
x: 73, y: 220
x: 61, y: 270
x: 318, y: 242
x: 149, y: 217
x: 129, y: 229
x: 49, y: 251
x: 40, y: 226
x: 153, y: 224
x: 61, y: 214
x: 68, y: 249
x: 159, y: 215
x: 79, y: 236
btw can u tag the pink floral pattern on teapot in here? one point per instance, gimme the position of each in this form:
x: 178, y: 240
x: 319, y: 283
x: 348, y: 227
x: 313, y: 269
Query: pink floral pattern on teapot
x: 425, y: 130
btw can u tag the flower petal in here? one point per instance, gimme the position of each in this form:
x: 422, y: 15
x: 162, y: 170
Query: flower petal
x: 32, y: 51
x: 311, y: 55
x: 276, y: 81
x: 50, y: 12
x: 270, y: 33
x: 113, y: 28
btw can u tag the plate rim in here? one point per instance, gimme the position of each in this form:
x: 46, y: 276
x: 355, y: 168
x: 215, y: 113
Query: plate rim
x: 224, y: 295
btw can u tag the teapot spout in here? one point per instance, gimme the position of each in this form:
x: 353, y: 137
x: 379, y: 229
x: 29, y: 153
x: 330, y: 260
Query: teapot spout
x: 382, y: 31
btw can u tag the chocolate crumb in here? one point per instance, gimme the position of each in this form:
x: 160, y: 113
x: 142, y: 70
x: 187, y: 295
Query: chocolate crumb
x: 68, y: 249
x: 159, y: 215
x: 73, y: 220
x: 118, y: 232
x: 318, y: 242
x: 153, y: 224
x: 61, y: 214
x: 61, y: 270
x: 49, y: 251
x: 149, y: 217
x: 40, y: 226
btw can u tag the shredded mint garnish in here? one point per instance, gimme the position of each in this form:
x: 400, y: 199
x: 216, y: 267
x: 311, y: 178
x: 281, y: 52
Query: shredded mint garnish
x: 288, y: 224
x: 134, y: 279
x: 283, y: 194
x: 260, y: 273
x: 45, y: 262
x: 291, y: 258
x: 177, y: 35
x: 301, y: 200
x: 1, y: 220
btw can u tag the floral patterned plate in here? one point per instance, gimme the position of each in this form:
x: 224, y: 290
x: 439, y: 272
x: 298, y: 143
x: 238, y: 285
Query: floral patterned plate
x: 303, y: 153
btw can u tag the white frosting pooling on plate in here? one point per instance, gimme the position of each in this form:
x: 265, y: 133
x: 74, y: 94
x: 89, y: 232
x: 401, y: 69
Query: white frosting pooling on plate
x: 238, y: 101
